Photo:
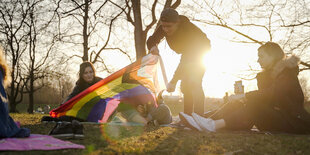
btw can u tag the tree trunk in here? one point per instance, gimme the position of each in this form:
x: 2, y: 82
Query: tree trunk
x: 140, y: 35
x: 31, y: 92
x: 85, y: 33
x: 11, y: 97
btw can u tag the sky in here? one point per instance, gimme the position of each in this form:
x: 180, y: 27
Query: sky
x: 223, y: 63
x: 226, y: 63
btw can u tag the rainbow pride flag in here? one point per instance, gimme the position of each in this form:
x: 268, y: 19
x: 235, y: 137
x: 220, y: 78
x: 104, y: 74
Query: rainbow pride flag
x: 135, y: 84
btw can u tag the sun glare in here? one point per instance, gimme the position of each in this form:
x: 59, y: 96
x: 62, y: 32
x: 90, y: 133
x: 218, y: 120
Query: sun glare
x: 223, y: 65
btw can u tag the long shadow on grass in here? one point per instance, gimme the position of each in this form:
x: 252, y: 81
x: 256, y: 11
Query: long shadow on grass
x: 178, y: 142
x: 192, y: 142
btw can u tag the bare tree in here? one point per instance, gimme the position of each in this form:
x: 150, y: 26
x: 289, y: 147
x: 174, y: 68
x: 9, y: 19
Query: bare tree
x: 267, y: 18
x: 29, y: 42
x: 39, y: 52
x: 13, y: 15
x: 94, y: 19
x: 134, y: 15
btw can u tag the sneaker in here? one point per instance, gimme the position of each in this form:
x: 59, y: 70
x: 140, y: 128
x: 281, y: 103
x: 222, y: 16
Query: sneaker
x: 153, y: 123
x: 22, y: 133
x: 189, y: 121
x: 62, y: 130
x: 77, y: 129
x: 46, y: 119
x: 206, y: 124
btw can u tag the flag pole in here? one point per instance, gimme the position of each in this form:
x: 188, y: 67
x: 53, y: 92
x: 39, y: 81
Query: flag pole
x: 163, y: 70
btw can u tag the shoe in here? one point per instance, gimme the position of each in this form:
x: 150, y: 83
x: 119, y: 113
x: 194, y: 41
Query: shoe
x: 153, y: 123
x: 189, y: 121
x: 62, y: 130
x: 77, y: 129
x: 22, y: 133
x: 206, y: 124
x: 46, y: 119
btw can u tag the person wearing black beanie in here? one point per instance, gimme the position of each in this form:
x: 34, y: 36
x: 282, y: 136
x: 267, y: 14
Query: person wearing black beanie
x: 186, y: 39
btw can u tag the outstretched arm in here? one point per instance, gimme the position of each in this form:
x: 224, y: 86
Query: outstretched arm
x: 155, y: 39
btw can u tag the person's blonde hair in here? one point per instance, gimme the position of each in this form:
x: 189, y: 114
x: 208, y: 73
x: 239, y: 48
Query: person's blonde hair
x: 4, y: 69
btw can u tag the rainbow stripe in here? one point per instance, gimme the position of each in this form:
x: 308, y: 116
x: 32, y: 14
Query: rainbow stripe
x: 135, y: 84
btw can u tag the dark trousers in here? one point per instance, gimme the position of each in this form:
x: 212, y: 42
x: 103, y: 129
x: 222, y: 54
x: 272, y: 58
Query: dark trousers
x: 191, y: 87
x: 235, y: 114
x: 239, y: 116
x: 268, y: 118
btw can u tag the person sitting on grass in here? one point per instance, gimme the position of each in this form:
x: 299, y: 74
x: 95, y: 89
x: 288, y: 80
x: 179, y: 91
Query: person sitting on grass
x: 8, y: 128
x: 147, y: 113
x: 68, y: 126
x: 277, y: 105
x: 87, y: 77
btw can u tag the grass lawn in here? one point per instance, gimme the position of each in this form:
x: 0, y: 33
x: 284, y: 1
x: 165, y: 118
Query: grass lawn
x: 103, y: 139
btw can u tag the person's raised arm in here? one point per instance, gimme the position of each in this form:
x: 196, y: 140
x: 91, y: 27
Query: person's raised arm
x: 155, y: 39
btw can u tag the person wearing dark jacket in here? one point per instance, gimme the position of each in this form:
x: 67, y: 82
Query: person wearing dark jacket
x: 277, y: 105
x: 8, y: 128
x: 68, y: 126
x: 188, y: 40
x: 87, y: 78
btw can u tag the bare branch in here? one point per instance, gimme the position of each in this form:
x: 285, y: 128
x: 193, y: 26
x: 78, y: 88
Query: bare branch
x: 148, y: 27
x: 108, y: 37
x: 297, y: 24
x: 121, y: 51
x: 232, y: 29
x: 305, y: 64
x: 95, y: 13
x: 176, y: 4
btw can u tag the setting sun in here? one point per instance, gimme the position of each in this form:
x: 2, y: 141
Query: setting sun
x: 225, y: 64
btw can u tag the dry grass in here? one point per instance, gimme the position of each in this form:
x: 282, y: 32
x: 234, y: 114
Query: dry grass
x: 103, y: 139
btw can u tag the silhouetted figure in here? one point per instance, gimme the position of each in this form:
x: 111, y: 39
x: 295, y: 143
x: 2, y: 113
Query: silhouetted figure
x: 187, y: 39
x: 39, y: 109
x: 277, y: 105
x: 225, y: 98
x: 47, y: 108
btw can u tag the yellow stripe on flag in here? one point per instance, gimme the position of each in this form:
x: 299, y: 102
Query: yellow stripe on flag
x: 103, y: 90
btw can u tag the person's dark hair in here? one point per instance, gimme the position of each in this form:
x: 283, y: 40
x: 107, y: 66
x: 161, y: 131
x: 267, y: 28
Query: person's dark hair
x: 272, y: 49
x: 83, y: 66
x: 169, y: 15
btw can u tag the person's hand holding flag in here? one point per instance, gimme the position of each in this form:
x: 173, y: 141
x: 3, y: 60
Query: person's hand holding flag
x: 171, y: 87
x: 154, y: 50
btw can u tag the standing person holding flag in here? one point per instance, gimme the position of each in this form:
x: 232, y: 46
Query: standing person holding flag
x: 187, y: 39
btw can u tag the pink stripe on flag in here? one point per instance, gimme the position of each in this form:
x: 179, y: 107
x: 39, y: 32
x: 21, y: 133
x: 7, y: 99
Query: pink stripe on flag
x: 111, y: 106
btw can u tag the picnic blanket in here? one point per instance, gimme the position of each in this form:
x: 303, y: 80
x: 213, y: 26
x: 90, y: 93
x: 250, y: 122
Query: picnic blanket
x: 36, y: 142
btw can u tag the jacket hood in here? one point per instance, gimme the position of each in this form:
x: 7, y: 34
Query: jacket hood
x: 289, y: 62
